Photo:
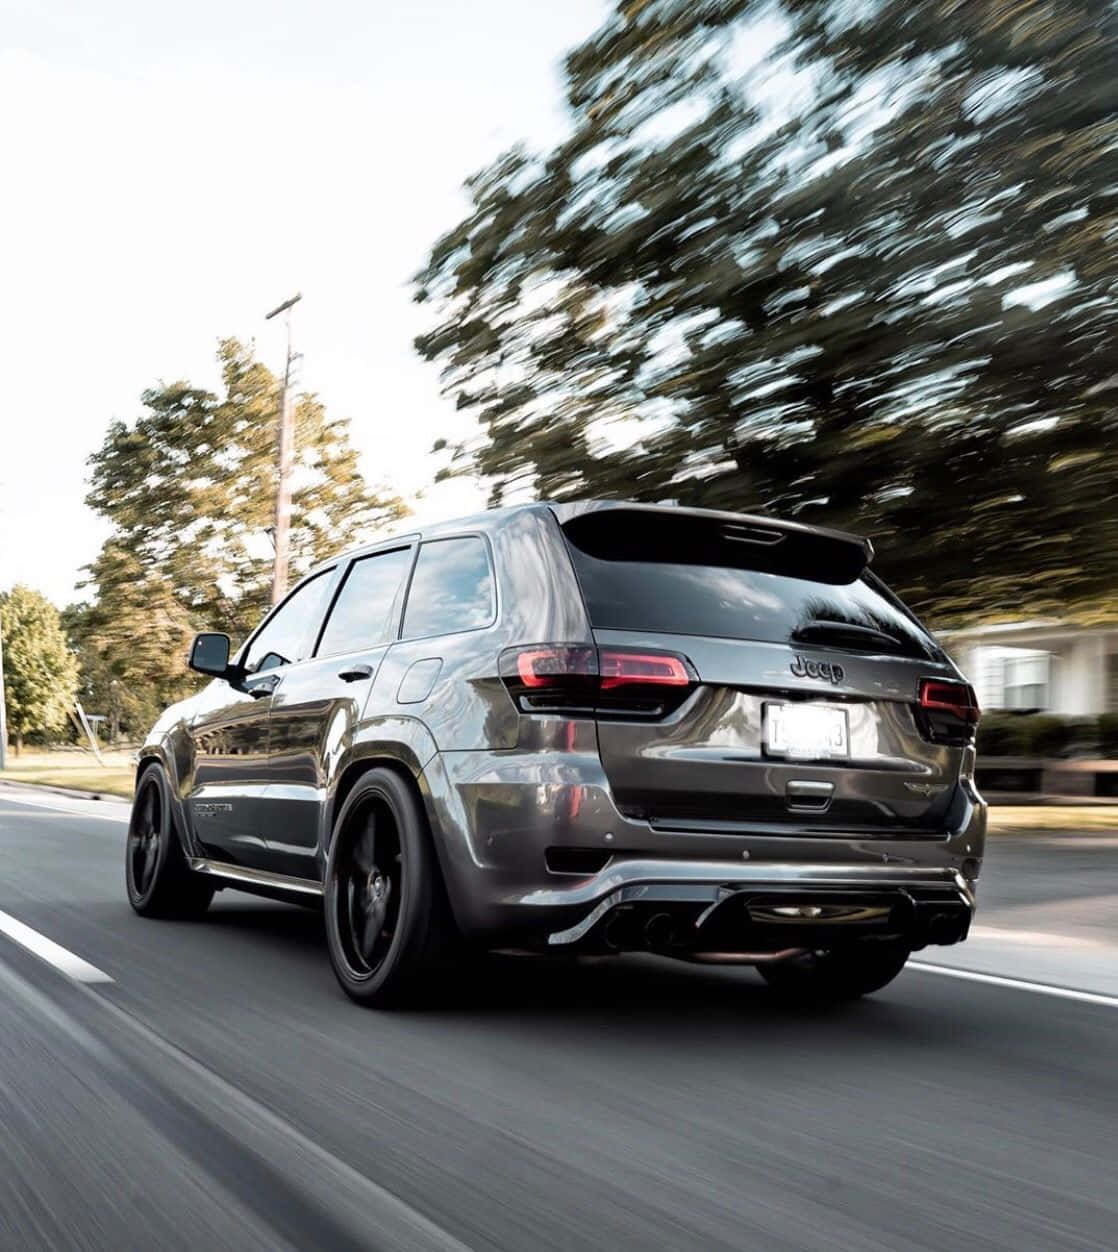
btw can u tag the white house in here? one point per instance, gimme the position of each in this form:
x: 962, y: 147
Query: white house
x: 1048, y: 665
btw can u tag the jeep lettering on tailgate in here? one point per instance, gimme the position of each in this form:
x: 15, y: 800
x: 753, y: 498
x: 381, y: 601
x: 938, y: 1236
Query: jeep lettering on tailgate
x: 829, y: 672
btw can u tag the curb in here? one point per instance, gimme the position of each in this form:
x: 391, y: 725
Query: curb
x: 72, y: 792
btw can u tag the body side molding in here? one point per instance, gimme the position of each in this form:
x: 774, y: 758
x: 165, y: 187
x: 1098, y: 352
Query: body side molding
x: 254, y: 877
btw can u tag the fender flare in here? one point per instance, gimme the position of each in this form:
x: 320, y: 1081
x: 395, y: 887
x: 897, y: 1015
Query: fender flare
x: 158, y: 753
x: 401, y: 743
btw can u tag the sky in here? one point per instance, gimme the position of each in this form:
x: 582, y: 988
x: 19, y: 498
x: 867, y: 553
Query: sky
x: 171, y: 173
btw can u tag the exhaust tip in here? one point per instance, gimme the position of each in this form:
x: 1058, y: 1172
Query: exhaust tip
x: 613, y: 933
x: 659, y: 931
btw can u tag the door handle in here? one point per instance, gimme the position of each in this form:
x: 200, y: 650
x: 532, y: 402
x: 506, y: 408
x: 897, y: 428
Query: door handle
x: 263, y: 687
x: 355, y: 673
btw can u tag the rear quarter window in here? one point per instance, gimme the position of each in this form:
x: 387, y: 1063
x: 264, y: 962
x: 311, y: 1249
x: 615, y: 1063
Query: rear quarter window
x: 451, y: 590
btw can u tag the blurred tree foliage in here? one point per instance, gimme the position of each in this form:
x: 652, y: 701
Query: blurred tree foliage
x: 40, y: 672
x: 189, y: 488
x: 132, y: 641
x: 867, y: 279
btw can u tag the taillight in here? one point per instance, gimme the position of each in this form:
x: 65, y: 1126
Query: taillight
x: 552, y: 678
x: 948, y: 710
x: 641, y: 669
x: 539, y: 668
x: 575, y: 679
x: 950, y: 697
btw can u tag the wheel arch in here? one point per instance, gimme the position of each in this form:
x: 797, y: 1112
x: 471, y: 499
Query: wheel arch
x: 157, y: 754
x: 352, y: 775
x: 405, y: 762
x: 403, y: 744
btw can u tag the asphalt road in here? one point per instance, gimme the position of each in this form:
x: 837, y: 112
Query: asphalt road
x: 220, y: 1092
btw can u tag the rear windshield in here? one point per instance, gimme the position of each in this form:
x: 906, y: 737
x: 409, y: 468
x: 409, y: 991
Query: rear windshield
x: 637, y: 576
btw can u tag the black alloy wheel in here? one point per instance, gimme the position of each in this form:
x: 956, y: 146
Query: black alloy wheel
x: 144, y: 833
x: 388, y: 923
x: 371, y: 870
x: 159, y: 880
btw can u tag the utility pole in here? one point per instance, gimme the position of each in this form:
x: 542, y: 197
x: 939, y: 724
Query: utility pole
x: 3, y: 709
x: 285, y: 455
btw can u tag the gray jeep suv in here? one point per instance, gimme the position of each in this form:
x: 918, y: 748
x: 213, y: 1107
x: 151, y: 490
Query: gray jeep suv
x: 580, y: 728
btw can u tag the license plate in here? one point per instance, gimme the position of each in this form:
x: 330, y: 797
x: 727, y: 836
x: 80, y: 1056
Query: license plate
x: 805, y: 731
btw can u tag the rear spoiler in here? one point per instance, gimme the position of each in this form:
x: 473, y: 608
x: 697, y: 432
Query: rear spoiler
x: 620, y: 531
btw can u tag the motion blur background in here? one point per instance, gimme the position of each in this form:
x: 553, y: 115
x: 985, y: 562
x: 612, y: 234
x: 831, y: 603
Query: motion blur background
x: 847, y: 261
x: 851, y: 262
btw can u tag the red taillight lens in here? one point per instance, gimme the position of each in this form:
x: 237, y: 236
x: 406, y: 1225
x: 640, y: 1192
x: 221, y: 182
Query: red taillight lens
x: 644, y: 669
x: 544, y: 667
x: 552, y: 678
x: 942, y: 696
x: 584, y: 681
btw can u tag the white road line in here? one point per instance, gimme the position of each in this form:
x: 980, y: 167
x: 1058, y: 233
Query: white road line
x: 61, y: 958
x: 1018, y: 984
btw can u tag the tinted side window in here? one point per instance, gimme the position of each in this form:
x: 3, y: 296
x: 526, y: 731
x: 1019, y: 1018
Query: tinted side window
x: 362, y: 614
x: 283, y: 637
x: 451, y: 590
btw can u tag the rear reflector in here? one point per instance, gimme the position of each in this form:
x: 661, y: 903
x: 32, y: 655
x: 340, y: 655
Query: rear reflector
x: 581, y: 680
x: 942, y: 696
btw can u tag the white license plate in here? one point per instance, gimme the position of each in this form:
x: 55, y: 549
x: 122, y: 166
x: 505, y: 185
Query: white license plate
x: 806, y: 731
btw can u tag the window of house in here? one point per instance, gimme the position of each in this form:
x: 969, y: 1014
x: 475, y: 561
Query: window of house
x: 1025, y: 681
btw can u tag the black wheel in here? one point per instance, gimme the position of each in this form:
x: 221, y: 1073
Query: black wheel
x: 839, y: 973
x: 388, y: 924
x: 160, y: 883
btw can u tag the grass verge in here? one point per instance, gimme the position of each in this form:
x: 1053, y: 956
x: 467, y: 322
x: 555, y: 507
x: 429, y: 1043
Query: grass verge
x: 78, y: 770
x: 1014, y: 819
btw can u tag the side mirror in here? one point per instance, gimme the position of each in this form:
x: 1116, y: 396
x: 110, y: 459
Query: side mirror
x: 209, y: 654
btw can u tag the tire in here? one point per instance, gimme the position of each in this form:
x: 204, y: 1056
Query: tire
x: 841, y: 973
x: 388, y: 923
x: 159, y: 881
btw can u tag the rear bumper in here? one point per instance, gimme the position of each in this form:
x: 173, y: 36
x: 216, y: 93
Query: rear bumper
x: 712, y: 907
x: 495, y: 815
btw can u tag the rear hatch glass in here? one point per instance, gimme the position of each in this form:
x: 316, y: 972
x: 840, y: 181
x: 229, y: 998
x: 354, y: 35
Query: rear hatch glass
x: 684, y: 575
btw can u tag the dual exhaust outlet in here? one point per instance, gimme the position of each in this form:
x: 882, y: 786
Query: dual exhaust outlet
x: 658, y: 933
x: 771, y: 919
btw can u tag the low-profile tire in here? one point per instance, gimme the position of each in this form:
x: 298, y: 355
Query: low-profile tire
x: 388, y: 924
x: 160, y: 882
x: 840, y: 973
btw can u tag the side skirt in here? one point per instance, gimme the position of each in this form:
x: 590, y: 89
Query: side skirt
x: 262, y: 882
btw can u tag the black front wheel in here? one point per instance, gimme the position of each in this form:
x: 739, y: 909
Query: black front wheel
x: 388, y: 924
x: 841, y: 973
x: 159, y: 881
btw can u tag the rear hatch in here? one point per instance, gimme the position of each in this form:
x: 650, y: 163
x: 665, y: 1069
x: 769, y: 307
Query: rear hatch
x: 804, y: 695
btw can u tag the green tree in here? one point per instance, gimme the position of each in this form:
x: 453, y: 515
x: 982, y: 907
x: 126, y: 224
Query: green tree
x: 812, y: 312
x: 190, y: 485
x: 40, y: 671
x: 132, y: 641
